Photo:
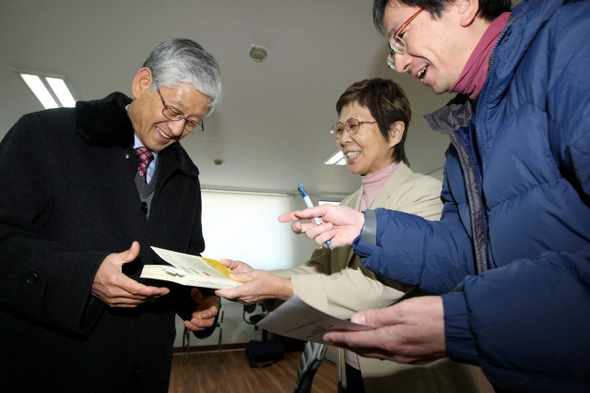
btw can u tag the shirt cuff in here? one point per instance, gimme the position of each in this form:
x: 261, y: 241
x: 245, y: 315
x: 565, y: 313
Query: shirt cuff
x: 460, y: 342
x: 369, y: 231
x: 366, y: 242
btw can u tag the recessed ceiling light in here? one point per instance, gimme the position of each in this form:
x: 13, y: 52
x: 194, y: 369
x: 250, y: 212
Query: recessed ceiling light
x: 258, y: 53
x: 336, y: 159
x: 40, y: 91
x: 51, y: 91
x: 62, y: 92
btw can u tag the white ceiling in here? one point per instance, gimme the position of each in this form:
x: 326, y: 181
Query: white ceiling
x: 272, y: 127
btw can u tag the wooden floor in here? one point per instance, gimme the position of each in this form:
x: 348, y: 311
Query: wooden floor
x: 205, y: 372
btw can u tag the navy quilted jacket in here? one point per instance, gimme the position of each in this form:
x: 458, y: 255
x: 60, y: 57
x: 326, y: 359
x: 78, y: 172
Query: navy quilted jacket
x: 514, y: 241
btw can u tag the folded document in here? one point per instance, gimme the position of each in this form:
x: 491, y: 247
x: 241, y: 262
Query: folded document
x: 297, y: 319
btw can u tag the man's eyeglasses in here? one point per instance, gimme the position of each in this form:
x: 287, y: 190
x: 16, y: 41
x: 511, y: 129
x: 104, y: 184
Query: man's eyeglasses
x: 397, y: 44
x: 175, y: 114
x: 351, y: 126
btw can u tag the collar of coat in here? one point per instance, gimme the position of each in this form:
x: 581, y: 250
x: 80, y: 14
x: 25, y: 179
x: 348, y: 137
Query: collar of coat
x: 105, y: 123
x: 454, y: 115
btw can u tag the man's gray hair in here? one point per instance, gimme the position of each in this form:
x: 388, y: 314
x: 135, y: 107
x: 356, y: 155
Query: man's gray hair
x: 185, y: 61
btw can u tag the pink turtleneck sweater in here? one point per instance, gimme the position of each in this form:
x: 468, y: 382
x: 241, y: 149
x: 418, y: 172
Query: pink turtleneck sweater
x: 373, y: 183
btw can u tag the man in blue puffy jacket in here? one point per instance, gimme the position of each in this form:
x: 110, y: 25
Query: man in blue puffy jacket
x: 511, y: 254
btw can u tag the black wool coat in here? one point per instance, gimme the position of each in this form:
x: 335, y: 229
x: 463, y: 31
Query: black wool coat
x: 68, y: 199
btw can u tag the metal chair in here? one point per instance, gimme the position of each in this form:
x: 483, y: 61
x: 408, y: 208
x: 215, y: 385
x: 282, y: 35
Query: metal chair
x: 252, y: 319
x: 309, y: 363
x: 186, y: 338
x: 220, y: 328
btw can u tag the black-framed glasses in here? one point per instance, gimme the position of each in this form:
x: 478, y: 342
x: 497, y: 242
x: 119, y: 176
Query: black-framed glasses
x: 397, y: 44
x: 351, y: 126
x: 175, y: 114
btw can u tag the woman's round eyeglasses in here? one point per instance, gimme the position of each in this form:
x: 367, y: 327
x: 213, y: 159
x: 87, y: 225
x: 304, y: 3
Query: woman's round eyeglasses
x: 351, y: 126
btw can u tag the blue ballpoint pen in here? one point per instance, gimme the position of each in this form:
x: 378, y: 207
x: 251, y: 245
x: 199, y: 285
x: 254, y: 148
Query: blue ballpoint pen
x: 308, y: 202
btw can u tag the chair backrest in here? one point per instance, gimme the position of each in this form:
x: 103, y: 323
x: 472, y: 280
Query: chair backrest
x: 249, y: 316
x: 311, y: 360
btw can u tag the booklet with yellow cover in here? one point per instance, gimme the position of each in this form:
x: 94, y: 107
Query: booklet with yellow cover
x: 190, y: 270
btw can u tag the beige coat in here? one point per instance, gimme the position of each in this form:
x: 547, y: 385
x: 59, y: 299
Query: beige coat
x: 334, y: 281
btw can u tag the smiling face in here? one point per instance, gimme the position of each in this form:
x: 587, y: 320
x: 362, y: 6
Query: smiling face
x: 437, y: 48
x: 367, y: 151
x: 154, y: 130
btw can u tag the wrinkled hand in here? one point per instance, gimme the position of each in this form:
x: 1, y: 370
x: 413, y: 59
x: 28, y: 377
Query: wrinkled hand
x: 116, y: 289
x: 205, y: 311
x: 341, y: 224
x: 258, y: 285
x: 236, y: 266
x: 412, y: 331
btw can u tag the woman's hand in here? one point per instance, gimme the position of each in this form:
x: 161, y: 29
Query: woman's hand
x: 236, y: 266
x: 258, y: 285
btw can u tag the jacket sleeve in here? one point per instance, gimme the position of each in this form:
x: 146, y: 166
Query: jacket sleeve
x: 41, y: 278
x: 434, y: 255
x: 540, y: 316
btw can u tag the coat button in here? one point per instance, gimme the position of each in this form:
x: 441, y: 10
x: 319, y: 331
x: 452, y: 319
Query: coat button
x: 31, y: 278
x: 144, y: 207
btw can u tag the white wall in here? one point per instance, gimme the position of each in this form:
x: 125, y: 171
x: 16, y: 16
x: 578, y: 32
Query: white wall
x: 438, y: 173
x: 244, y: 226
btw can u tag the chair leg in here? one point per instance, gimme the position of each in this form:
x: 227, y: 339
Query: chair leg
x: 186, y: 345
x: 220, y: 328
x: 219, y: 344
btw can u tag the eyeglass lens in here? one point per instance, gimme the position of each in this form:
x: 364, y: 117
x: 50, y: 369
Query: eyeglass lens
x: 398, y: 45
x: 175, y: 114
x: 351, y: 126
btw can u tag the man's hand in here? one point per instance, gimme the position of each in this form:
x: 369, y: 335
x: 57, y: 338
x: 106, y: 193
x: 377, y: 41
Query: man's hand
x: 341, y: 224
x: 116, y: 289
x: 205, y: 311
x: 258, y: 285
x: 412, y: 331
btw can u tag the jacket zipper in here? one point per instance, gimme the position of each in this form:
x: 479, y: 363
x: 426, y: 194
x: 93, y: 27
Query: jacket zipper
x: 490, y: 259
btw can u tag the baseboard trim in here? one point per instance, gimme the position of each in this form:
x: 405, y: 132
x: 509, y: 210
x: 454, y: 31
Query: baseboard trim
x: 211, y: 348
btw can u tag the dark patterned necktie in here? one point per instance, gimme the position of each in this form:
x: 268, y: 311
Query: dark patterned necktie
x: 144, y: 157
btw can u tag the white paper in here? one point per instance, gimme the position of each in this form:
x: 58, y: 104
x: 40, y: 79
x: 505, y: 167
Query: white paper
x: 297, y: 319
x: 189, y: 270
